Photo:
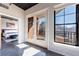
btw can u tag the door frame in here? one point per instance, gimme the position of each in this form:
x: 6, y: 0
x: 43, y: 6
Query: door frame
x: 3, y: 14
x: 0, y: 33
x: 35, y: 14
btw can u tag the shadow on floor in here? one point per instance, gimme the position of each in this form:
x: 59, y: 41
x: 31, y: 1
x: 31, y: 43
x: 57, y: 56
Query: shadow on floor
x: 25, y: 49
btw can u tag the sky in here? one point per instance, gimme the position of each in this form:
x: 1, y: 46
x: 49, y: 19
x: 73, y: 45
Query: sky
x: 70, y: 16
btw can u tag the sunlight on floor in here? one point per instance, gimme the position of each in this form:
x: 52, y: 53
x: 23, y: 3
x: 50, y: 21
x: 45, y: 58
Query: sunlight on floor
x: 22, y: 46
x: 30, y: 51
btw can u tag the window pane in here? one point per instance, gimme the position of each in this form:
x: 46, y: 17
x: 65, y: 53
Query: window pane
x: 60, y: 12
x: 70, y: 34
x: 30, y: 27
x: 41, y: 27
x: 70, y: 9
x: 70, y: 18
x: 59, y: 37
x: 60, y: 20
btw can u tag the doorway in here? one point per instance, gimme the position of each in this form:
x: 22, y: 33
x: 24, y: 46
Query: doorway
x: 37, y: 28
x: 9, y: 35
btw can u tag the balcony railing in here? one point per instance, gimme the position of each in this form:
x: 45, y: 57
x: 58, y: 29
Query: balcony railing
x: 67, y: 37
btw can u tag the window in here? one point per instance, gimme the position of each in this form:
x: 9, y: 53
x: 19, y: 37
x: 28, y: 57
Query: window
x: 59, y: 20
x: 65, y: 25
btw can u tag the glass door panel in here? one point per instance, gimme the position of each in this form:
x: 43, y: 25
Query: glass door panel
x: 41, y: 27
x: 30, y: 28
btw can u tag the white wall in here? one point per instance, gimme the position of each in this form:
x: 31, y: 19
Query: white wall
x: 18, y: 13
x: 53, y: 46
x: 3, y: 25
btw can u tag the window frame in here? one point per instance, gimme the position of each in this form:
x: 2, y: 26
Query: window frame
x: 76, y: 23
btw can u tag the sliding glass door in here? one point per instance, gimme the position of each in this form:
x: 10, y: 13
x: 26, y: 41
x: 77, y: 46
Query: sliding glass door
x: 30, y: 28
x: 41, y: 27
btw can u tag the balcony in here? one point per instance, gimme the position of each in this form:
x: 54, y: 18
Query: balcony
x: 67, y: 37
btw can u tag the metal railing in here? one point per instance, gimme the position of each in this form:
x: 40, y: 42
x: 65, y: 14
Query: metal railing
x: 69, y: 37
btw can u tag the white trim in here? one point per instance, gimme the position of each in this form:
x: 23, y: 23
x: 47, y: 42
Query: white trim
x: 36, y: 13
x: 61, y: 6
x: 8, y: 15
